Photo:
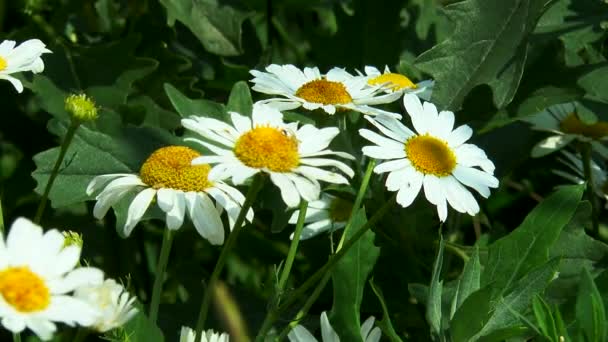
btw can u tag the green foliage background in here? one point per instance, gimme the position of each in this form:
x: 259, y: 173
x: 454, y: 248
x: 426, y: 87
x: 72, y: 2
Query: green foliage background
x: 519, y: 269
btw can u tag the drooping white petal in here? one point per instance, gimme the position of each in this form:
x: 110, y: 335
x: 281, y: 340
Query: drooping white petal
x: 137, y: 209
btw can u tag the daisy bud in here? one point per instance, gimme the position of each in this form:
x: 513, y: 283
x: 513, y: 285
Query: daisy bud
x: 80, y: 107
x: 72, y: 239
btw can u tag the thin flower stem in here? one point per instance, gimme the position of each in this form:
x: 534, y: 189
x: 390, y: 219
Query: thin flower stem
x: 69, y: 136
x: 255, y: 187
x: 586, y: 152
x: 358, y: 200
x: 161, y: 266
x: 293, y: 248
x: 16, y: 337
x: 325, y: 269
x: 1, y: 216
x: 81, y: 334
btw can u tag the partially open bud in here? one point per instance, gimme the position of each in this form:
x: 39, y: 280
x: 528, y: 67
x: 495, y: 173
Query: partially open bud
x: 80, y: 107
x: 72, y: 239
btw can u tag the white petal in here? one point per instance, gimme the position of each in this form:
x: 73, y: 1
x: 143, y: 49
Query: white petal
x: 551, y: 144
x: 241, y: 123
x: 328, y: 162
x: 378, y: 152
x: 459, y: 136
x: 392, y: 165
x: 476, y: 179
x: 137, y: 209
x: 175, y: 217
x: 205, y: 217
x: 409, y: 189
x: 380, y: 140
x: 327, y: 332
x: 289, y: 192
x: 416, y: 111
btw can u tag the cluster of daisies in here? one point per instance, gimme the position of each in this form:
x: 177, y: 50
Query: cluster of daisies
x: 40, y: 283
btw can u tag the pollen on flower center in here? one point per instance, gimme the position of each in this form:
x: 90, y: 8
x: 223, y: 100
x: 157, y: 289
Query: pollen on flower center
x: 3, y: 63
x: 171, y: 167
x: 325, y: 92
x: 572, y: 125
x: 339, y: 210
x: 23, y: 289
x: 393, y: 81
x: 430, y: 155
x: 268, y: 147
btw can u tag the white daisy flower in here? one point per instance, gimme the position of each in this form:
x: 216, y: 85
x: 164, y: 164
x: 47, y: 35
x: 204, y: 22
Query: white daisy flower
x: 328, y: 334
x: 25, y: 57
x: 308, y: 88
x: 394, y: 82
x: 112, y: 300
x: 37, y: 273
x: 562, y: 121
x: 187, y: 335
x: 435, y: 157
x: 292, y: 156
x: 575, y: 164
x: 178, y: 187
x: 328, y: 213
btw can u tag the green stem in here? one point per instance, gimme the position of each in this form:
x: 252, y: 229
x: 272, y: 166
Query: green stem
x: 326, y: 269
x: 161, y: 266
x: 293, y: 248
x: 16, y: 337
x: 81, y: 334
x: 1, y: 217
x: 69, y: 135
x: 255, y: 187
x: 358, y: 200
x: 586, y: 152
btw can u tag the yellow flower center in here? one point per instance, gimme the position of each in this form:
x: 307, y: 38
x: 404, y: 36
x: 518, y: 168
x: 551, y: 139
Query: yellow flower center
x: 23, y: 289
x: 394, y: 81
x: 268, y: 148
x: 430, y: 155
x: 339, y: 210
x: 325, y: 92
x: 171, y: 167
x: 3, y: 63
x: 572, y: 125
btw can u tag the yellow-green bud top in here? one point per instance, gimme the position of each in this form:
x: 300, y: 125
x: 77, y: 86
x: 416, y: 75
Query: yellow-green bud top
x: 81, y: 107
x: 72, y: 239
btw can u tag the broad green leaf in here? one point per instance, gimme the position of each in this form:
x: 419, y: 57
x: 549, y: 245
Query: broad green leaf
x: 349, y: 278
x: 469, y: 281
x: 488, y: 47
x: 590, y: 311
x: 544, y: 97
x: 216, y: 24
x: 187, y: 107
x: 433, y: 303
x: 484, y: 314
x: 240, y: 99
x: 527, y: 247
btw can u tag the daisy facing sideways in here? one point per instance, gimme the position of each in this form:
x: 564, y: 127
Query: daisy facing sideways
x: 575, y: 164
x: 37, y: 275
x: 328, y: 334
x: 562, y: 121
x: 24, y: 57
x: 293, y: 156
x: 328, y: 213
x: 435, y: 158
x: 112, y: 300
x: 336, y: 90
x: 178, y: 187
x: 394, y: 82
x: 187, y: 335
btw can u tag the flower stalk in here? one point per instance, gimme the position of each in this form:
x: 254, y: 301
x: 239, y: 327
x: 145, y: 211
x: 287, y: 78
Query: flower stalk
x: 255, y: 187
x: 586, y: 152
x: 161, y: 266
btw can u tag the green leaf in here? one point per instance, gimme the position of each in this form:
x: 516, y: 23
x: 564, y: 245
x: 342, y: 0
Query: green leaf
x: 576, y: 22
x: 527, y: 247
x: 216, y: 25
x: 594, y: 82
x: 488, y: 47
x: 385, y: 323
x: 433, y: 303
x: 187, y: 107
x: 544, y: 318
x: 141, y: 329
x: 469, y: 282
x: 349, y: 278
x: 590, y: 311
x: 483, y: 314
x: 240, y: 99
